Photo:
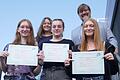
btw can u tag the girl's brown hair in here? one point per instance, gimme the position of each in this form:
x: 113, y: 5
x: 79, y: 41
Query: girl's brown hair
x: 30, y: 39
x: 41, y: 30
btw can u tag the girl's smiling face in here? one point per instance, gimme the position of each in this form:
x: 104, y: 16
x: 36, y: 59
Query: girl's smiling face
x: 89, y: 28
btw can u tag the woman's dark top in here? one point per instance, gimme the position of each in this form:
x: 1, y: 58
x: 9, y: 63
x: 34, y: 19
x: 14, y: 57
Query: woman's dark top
x: 64, y: 41
x: 0, y: 73
x: 43, y: 39
x: 56, y: 70
x: 111, y: 66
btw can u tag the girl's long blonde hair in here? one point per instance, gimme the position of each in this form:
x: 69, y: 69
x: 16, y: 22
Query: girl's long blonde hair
x: 99, y: 45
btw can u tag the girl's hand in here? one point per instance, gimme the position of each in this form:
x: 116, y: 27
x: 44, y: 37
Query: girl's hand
x: 109, y: 56
x: 4, y: 54
x: 41, y: 55
x: 67, y: 62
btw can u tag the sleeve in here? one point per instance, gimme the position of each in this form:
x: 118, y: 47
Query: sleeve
x: 114, y: 68
x: 111, y: 38
x: 71, y: 45
x: 76, y: 35
x: 32, y: 68
x: 68, y: 70
x: 113, y: 64
x: 73, y: 36
x: 4, y: 60
x: 109, y: 47
x: 6, y: 47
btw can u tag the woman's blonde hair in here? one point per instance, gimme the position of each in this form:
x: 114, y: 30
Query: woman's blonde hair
x: 99, y: 45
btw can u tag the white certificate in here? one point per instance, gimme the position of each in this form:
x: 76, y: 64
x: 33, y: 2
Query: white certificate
x: 88, y: 62
x: 55, y: 52
x: 22, y: 55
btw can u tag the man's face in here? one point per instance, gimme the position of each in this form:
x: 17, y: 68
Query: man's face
x: 84, y: 14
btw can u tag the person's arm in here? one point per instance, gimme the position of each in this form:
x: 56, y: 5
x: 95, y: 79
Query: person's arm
x: 111, y: 38
x: 111, y: 58
x: 37, y: 70
x: 107, y: 35
x: 73, y: 36
x: 68, y: 66
x: 76, y: 35
x: 114, y: 66
x: 3, y: 57
x: 113, y: 63
x: 0, y: 63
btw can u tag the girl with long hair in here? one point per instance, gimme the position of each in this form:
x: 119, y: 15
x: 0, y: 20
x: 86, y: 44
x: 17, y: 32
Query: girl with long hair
x: 24, y: 36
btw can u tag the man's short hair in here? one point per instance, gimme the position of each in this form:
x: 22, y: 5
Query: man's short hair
x: 82, y: 7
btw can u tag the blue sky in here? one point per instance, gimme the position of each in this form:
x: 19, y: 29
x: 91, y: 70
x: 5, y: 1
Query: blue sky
x: 12, y: 11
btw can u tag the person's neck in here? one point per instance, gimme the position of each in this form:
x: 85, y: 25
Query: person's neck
x: 47, y: 34
x: 23, y: 40
x: 90, y: 39
x: 90, y: 44
x: 56, y: 38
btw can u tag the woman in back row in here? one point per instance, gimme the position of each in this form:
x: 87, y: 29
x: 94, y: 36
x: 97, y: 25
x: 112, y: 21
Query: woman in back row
x: 44, y: 31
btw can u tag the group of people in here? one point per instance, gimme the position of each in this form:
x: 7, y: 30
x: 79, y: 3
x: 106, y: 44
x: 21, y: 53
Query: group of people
x: 89, y: 36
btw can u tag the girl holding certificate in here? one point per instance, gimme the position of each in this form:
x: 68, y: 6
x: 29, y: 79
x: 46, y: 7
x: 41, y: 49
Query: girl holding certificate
x: 55, y: 70
x: 91, y: 42
x: 24, y: 36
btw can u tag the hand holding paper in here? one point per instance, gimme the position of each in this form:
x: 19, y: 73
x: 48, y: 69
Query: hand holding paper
x: 22, y: 55
x: 88, y: 62
x: 55, y: 52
